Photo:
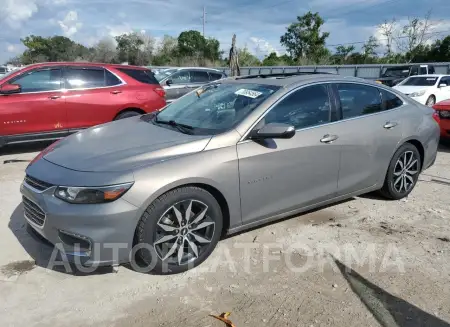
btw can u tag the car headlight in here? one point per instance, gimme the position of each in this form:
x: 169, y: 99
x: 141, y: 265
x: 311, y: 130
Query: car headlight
x: 90, y: 195
x: 417, y: 94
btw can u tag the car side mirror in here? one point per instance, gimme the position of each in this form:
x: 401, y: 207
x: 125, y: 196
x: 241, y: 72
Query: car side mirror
x: 169, y: 82
x: 274, y: 131
x: 442, y: 85
x: 10, y: 89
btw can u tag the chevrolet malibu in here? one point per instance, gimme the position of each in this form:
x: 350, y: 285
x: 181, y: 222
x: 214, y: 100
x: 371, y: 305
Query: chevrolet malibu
x: 231, y: 155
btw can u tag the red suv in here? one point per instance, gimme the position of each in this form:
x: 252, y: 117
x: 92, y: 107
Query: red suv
x: 442, y: 116
x: 51, y: 100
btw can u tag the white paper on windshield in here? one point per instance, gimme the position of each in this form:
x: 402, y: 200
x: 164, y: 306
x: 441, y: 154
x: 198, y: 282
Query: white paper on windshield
x: 431, y: 79
x: 248, y: 93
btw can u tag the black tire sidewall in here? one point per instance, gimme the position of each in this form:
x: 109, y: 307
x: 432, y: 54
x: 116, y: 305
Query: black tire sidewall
x: 127, y: 114
x: 147, y: 225
x: 429, y: 98
x: 388, y: 188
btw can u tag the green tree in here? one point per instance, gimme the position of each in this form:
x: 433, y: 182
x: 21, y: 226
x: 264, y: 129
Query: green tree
x: 191, y: 43
x: 246, y: 59
x: 369, y: 50
x: 105, y: 51
x: 341, y: 55
x: 304, y: 39
x: 55, y: 48
x: 440, y: 50
x: 129, y: 47
x: 274, y: 60
x: 166, y: 52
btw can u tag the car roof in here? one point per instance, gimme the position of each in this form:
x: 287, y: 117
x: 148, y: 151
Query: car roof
x: 429, y: 75
x: 294, y: 80
x: 84, y: 64
x: 198, y: 68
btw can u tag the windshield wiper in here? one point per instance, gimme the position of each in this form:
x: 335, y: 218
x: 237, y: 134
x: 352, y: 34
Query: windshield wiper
x: 183, y: 128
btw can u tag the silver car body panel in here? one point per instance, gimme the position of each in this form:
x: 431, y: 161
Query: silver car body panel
x: 257, y: 181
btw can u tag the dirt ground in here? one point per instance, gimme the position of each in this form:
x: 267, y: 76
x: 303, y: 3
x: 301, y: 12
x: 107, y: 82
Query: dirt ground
x: 362, y: 262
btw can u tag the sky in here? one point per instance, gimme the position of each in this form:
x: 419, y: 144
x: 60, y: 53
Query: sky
x: 258, y: 24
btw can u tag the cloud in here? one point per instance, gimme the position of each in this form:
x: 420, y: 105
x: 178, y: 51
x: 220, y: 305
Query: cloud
x: 15, y: 12
x: 70, y: 24
x: 261, y: 47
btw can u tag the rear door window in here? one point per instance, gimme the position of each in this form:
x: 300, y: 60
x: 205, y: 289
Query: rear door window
x: 390, y: 100
x: 111, y: 79
x: 358, y: 100
x: 215, y: 76
x: 84, y: 78
x: 198, y: 76
x: 141, y: 75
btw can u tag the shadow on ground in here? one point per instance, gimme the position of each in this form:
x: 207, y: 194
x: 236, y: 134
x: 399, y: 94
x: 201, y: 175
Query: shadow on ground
x: 43, y: 252
x: 388, y: 310
x: 13, y: 149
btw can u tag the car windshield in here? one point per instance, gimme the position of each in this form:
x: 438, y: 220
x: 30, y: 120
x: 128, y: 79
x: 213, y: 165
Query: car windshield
x: 420, y: 81
x: 216, y: 107
x: 160, y: 75
x: 396, y: 72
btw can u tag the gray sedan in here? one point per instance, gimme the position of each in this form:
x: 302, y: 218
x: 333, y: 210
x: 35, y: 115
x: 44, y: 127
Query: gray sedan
x: 180, y: 81
x: 231, y: 155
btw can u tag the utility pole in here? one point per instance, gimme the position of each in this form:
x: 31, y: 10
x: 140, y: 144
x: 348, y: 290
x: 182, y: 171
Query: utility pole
x: 204, y: 20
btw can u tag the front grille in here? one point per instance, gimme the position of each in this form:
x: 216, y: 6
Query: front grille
x: 36, y: 183
x: 33, y: 212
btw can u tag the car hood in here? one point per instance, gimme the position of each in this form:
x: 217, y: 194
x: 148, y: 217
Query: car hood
x: 123, y: 145
x: 408, y: 89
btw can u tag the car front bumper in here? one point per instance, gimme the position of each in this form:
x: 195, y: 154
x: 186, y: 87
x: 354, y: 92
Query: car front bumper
x: 86, y: 234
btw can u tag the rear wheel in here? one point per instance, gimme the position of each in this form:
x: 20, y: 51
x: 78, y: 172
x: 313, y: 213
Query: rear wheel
x: 180, y: 230
x: 431, y: 101
x: 127, y: 114
x: 403, y: 172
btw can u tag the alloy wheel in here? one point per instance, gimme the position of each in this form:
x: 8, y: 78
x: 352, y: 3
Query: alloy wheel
x: 405, y: 171
x: 183, y: 232
x: 430, y: 102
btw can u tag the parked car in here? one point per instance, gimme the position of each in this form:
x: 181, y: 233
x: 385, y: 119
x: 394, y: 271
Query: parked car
x: 179, y: 81
x: 51, y: 100
x: 442, y: 116
x: 426, y: 89
x: 3, y: 70
x: 228, y: 156
x: 395, y: 74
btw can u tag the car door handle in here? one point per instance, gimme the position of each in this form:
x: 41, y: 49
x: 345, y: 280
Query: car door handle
x: 390, y: 125
x: 329, y: 138
x: 54, y: 97
x: 116, y: 92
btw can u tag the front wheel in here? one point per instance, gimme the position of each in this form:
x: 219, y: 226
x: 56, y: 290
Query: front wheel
x: 431, y: 101
x: 179, y: 230
x: 403, y: 172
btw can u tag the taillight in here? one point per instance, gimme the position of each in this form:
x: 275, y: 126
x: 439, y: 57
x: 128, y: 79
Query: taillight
x: 436, y: 115
x: 160, y: 91
x: 444, y: 113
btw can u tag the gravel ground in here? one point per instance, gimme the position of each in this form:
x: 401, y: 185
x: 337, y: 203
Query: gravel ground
x: 362, y: 262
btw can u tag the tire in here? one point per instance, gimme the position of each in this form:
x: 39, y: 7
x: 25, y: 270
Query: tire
x: 431, y: 101
x: 400, y: 182
x: 127, y: 114
x: 160, y: 222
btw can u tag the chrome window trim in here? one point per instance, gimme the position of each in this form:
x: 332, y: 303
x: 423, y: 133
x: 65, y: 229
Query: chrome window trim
x: 64, y: 90
x: 244, y: 137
